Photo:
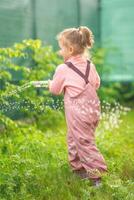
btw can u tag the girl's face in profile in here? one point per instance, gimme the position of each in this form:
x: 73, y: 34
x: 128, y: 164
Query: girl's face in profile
x: 64, y: 51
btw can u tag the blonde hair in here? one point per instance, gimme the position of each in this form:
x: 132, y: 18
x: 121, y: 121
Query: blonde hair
x: 80, y: 38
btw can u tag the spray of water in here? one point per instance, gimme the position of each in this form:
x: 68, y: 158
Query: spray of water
x: 28, y: 104
x: 19, y: 89
x: 26, y: 86
x: 110, y: 116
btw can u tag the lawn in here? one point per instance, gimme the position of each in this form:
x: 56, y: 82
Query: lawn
x: 34, y: 165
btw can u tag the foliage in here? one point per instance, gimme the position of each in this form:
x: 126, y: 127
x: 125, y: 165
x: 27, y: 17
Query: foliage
x: 122, y: 92
x: 34, y: 165
x: 24, y: 62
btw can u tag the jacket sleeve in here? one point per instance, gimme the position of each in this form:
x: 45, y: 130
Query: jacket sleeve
x: 56, y: 86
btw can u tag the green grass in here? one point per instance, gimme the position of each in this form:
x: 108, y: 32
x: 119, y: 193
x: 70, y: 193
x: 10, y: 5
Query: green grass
x: 34, y: 165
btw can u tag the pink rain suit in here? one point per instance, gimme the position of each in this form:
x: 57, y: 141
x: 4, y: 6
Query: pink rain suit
x: 78, y: 79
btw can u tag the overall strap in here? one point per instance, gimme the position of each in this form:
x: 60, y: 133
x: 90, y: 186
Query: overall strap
x: 84, y: 76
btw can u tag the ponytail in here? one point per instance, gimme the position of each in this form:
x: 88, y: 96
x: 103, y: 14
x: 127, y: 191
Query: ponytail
x: 87, y: 38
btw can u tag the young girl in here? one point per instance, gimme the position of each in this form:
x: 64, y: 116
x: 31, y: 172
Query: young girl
x: 78, y: 79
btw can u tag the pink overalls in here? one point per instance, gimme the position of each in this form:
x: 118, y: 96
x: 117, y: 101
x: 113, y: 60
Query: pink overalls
x: 82, y: 112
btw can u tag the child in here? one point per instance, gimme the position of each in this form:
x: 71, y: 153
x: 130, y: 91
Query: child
x: 78, y: 79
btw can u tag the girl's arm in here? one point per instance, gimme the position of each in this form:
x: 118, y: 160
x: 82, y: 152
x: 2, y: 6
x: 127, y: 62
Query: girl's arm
x: 95, y: 77
x: 56, y: 86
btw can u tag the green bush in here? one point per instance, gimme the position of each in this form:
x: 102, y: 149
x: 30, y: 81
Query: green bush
x: 20, y: 64
x: 112, y: 91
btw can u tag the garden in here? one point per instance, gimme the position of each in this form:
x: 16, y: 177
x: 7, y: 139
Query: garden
x: 33, y: 149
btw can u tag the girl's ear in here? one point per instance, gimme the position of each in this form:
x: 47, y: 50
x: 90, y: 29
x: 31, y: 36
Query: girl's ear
x: 71, y: 49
